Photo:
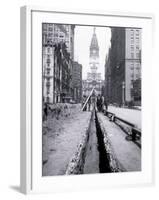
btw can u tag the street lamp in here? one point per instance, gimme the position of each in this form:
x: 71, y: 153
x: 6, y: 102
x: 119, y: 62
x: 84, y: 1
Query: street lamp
x: 123, y: 93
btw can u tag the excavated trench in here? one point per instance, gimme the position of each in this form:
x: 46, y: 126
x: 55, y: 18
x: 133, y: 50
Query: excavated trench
x: 104, y: 165
x: 92, y: 156
x: 96, y: 157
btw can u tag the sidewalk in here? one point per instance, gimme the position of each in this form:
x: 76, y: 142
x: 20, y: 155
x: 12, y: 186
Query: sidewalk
x: 62, y: 140
x: 126, y: 153
x: 133, y: 116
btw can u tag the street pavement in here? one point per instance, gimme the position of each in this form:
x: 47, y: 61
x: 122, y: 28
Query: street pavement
x: 130, y: 115
x: 61, y: 141
x: 127, y: 153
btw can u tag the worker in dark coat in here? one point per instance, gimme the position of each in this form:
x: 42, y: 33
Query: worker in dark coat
x: 99, y: 103
x: 89, y: 104
x: 105, y: 106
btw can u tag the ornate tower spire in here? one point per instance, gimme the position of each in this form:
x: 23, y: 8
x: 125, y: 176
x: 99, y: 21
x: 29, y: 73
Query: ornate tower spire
x: 94, y: 30
x: 94, y: 55
x: 93, y: 76
x: 94, y: 48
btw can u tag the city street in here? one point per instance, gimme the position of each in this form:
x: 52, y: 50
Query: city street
x: 62, y: 140
x: 131, y: 115
x: 91, y: 99
x: 84, y: 143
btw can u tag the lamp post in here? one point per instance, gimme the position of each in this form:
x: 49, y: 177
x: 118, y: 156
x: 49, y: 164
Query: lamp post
x: 123, y: 93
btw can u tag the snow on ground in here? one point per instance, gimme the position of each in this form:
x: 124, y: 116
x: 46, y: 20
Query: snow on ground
x: 130, y: 115
x: 127, y: 153
x: 61, y: 137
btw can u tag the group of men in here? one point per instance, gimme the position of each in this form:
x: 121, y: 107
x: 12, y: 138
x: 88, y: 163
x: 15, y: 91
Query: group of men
x: 95, y: 102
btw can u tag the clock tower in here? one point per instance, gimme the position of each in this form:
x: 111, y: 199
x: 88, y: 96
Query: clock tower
x: 94, y: 53
x: 93, y: 77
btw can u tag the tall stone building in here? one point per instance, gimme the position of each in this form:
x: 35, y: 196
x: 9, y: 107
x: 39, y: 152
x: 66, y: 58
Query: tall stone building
x: 107, y: 81
x: 93, y: 77
x: 115, y: 66
x: 123, y: 67
x: 77, y: 82
x: 58, y: 55
x: 133, y: 66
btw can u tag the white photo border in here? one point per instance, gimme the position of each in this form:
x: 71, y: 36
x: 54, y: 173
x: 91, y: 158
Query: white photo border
x: 31, y: 101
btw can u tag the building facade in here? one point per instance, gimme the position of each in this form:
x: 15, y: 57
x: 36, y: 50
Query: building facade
x: 93, y: 77
x: 133, y: 66
x: 58, y: 55
x: 107, y: 81
x: 48, y: 73
x: 123, y: 67
x: 77, y: 82
x: 115, y: 67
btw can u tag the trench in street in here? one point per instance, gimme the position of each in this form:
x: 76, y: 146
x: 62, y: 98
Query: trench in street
x: 96, y: 159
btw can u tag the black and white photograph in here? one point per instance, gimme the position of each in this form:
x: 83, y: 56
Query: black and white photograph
x: 91, y: 99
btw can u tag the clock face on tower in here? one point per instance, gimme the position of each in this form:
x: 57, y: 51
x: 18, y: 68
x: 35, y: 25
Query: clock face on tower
x: 94, y: 51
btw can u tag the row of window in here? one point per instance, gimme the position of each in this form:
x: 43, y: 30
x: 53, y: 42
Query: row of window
x: 136, y: 40
x: 48, y: 71
x: 135, y: 76
x: 132, y: 68
x: 62, y: 30
x: 137, y: 47
x: 137, y: 55
x: 135, y: 30
x: 136, y: 66
x: 134, y: 35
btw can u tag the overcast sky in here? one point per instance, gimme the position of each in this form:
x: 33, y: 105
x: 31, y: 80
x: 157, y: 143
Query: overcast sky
x: 83, y: 36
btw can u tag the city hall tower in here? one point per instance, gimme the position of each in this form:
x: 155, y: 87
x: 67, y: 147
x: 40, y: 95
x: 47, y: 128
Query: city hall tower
x: 93, y: 76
